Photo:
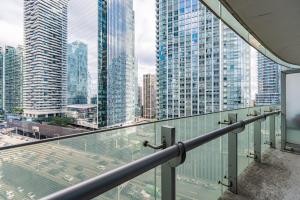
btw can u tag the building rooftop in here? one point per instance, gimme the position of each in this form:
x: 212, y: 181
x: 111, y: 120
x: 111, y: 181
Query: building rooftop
x: 82, y: 106
x: 13, y: 139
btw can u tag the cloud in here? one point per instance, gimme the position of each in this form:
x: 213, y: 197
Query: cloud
x: 11, y: 23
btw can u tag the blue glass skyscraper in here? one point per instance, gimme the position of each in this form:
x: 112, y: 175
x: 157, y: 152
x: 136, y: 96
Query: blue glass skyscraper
x: 236, y: 87
x: 201, y: 64
x: 116, y: 63
x: 77, y: 73
x: 13, y: 76
x: 268, y: 81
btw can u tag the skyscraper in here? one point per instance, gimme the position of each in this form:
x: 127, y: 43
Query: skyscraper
x: 268, y: 81
x: 236, y: 90
x: 188, y: 59
x: 1, y: 78
x: 45, y: 66
x: 149, y: 96
x: 116, y: 63
x: 197, y: 70
x: 140, y: 102
x: 77, y: 73
x: 13, y: 66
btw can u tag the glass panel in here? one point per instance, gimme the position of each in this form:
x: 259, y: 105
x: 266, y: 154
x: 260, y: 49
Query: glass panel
x: 292, y: 108
x: 264, y: 131
x: 42, y: 169
x: 278, y: 130
x: 243, y: 142
x: 141, y: 187
x: 204, y: 166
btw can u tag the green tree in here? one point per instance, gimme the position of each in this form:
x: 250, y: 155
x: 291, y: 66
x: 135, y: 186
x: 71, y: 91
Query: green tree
x: 61, y: 121
x: 18, y: 110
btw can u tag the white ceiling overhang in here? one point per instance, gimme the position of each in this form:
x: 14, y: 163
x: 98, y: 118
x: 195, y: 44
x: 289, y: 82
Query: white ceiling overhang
x: 274, y: 23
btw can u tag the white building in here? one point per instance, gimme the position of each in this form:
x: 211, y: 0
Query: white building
x: 45, y: 66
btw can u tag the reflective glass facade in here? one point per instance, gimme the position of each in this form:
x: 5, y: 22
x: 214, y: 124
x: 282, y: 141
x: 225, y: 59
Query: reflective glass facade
x: 1, y: 77
x: 117, y: 69
x: 198, y: 70
x: 236, y: 71
x: 77, y: 73
x: 13, y: 68
x: 188, y: 59
x: 268, y: 81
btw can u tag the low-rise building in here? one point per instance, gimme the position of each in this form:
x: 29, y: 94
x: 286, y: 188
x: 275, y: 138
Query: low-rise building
x: 84, y: 115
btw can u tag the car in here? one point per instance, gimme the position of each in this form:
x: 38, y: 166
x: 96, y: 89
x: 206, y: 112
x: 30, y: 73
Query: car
x: 31, y: 195
x: 10, y: 194
x: 101, y: 167
x: 20, y: 189
x: 68, y: 178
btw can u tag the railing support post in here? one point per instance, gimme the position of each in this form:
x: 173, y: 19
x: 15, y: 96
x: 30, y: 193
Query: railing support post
x: 257, y: 140
x: 272, y: 131
x: 168, y: 173
x: 232, y: 156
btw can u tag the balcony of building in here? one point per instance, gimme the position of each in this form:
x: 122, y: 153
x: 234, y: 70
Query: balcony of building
x: 215, y: 150
x: 248, y: 153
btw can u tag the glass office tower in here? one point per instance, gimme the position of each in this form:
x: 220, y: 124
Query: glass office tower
x: 236, y: 91
x: 77, y: 73
x: 1, y: 78
x: 13, y: 67
x: 116, y: 66
x: 268, y: 81
x: 198, y: 71
x: 188, y: 59
x: 45, y: 65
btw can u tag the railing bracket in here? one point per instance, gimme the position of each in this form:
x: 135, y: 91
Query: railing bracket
x: 162, y: 146
x: 252, y: 155
x: 181, y: 157
x: 268, y: 143
x: 226, y: 185
x: 225, y: 122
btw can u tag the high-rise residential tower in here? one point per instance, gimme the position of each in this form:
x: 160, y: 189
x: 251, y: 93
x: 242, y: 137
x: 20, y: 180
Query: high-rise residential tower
x: 197, y: 70
x: 77, y: 73
x: 268, y: 81
x: 1, y: 78
x: 116, y: 63
x: 13, y: 67
x: 188, y: 59
x: 45, y: 65
x: 236, y: 87
x: 149, y: 96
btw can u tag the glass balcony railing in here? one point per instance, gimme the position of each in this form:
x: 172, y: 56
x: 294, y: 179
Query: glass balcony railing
x: 35, y: 171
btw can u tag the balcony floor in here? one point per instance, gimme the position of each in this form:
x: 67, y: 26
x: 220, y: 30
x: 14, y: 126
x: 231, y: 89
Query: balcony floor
x: 276, y: 178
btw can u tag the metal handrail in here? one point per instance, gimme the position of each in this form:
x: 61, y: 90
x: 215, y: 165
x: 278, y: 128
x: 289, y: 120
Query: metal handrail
x: 98, y: 185
x: 106, y: 130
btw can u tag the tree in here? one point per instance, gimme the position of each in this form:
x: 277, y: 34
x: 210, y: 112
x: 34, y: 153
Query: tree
x: 17, y: 110
x: 61, y: 121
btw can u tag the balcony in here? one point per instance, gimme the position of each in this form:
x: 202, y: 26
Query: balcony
x: 118, y: 164
x: 241, y: 154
